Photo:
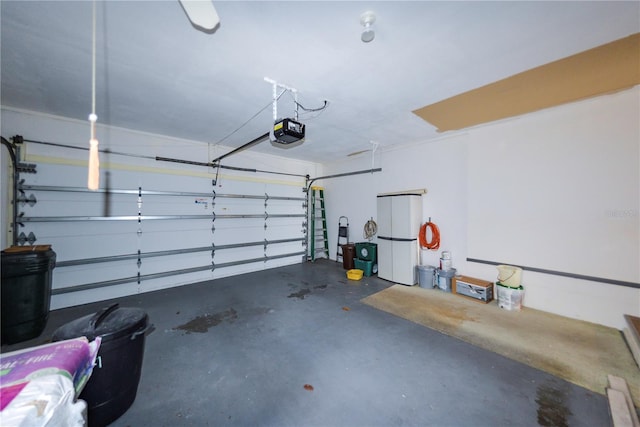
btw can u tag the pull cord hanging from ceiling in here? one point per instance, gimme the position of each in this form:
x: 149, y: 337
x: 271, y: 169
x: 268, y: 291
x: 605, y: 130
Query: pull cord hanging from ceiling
x: 93, y: 181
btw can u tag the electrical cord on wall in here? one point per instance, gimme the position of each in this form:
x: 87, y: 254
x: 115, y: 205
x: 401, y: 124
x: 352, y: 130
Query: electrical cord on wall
x: 434, y: 243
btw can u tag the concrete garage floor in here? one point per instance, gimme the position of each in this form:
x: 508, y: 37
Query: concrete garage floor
x: 294, y: 346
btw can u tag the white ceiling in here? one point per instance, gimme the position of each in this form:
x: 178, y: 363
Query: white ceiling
x: 157, y: 73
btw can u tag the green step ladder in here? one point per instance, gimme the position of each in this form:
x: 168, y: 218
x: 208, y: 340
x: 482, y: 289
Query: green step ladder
x: 319, y: 237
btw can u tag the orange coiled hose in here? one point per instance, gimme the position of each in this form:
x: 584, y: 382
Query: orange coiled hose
x: 434, y: 244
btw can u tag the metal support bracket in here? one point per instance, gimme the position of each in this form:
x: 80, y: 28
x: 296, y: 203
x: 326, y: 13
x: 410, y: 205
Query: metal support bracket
x: 18, y: 222
x: 26, y: 167
x: 21, y: 167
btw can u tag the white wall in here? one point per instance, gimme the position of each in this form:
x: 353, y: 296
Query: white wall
x: 442, y: 167
x: 83, y: 239
x: 561, y: 186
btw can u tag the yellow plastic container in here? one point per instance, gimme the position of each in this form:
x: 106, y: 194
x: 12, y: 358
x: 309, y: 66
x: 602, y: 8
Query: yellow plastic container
x: 354, y: 274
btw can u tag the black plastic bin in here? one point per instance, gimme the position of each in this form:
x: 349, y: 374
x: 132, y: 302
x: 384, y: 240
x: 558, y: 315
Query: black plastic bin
x: 113, y: 385
x: 27, y: 273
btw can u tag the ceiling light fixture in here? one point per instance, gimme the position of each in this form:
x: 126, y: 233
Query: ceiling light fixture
x: 366, y: 20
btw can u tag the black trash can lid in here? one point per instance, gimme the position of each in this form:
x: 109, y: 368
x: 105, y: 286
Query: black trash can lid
x: 110, y: 323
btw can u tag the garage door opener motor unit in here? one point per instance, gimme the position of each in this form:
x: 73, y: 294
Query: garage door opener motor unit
x: 288, y: 132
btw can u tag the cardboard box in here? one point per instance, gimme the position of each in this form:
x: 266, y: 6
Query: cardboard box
x: 470, y: 287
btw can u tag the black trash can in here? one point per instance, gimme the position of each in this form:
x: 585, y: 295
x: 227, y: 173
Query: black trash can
x: 27, y: 274
x: 113, y: 385
x: 348, y: 255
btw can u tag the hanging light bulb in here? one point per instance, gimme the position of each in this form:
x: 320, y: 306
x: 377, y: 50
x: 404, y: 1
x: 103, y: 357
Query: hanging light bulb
x: 93, y: 181
x: 366, y: 20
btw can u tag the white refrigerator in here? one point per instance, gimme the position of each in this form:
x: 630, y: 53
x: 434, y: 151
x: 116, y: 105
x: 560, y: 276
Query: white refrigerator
x: 399, y: 220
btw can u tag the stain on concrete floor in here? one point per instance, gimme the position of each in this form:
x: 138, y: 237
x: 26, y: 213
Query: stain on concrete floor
x: 306, y: 291
x: 201, y: 324
x: 300, y: 294
x: 552, y: 407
